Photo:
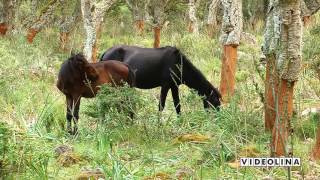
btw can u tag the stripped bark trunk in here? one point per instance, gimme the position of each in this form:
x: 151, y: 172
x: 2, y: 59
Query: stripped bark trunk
x: 6, y: 16
x: 92, y: 13
x: 316, y: 150
x: 193, y: 21
x: 157, y: 12
x: 282, y: 47
x: 157, y: 31
x: 68, y: 24
x: 138, y: 9
x: 270, y: 89
x: 46, y: 17
x: 230, y: 38
x: 212, y: 17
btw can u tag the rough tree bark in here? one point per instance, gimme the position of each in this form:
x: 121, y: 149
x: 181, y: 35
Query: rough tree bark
x: 230, y: 38
x: 308, y: 8
x: 138, y: 9
x: 92, y: 15
x: 282, y: 47
x: 6, y: 15
x: 157, y: 12
x: 46, y: 17
x: 193, y: 21
x: 68, y: 23
x: 212, y: 17
x: 316, y: 150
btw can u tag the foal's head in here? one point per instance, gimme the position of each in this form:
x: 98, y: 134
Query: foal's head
x: 74, y: 72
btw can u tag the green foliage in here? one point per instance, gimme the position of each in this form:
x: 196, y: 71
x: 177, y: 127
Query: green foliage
x: 307, y: 128
x: 39, y: 166
x: 311, y: 48
x: 115, y: 103
x: 36, y: 110
x: 5, y: 134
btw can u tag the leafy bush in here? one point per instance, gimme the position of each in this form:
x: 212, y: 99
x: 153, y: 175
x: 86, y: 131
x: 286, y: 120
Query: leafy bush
x: 115, y: 104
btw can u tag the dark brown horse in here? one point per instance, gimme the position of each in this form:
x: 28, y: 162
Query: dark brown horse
x: 78, y: 78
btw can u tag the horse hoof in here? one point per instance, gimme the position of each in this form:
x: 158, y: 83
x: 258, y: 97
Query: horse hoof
x: 70, y: 131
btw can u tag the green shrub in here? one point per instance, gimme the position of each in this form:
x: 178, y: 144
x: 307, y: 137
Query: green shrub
x: 115, y: 104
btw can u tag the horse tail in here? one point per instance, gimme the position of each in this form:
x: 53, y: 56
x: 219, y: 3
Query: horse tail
x: 101, y: 57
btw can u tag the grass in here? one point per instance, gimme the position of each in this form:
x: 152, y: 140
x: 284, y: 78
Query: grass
x: 32, y: 115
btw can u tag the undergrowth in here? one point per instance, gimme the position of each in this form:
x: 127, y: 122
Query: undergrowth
x: 121, y: 132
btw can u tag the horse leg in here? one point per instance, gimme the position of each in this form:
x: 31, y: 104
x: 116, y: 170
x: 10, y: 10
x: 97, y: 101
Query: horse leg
x: 76, y: 114
x: 72, y: 113
x: 163, y: 96
x: 176, y: 100
x: 69, y: 113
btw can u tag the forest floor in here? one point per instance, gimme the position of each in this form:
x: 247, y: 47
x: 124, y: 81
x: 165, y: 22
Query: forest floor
x: 196, y: 145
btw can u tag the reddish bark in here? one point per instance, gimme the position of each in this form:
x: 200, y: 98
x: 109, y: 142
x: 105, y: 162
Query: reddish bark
x: 228, y: 71
x: 306, y: 21
x: 190, y: 27
x: 316, y: 149
x: 31, y: 34
x: 270, y: 91
x: 140, y: 26
x: 278, y: 108
x: 157, y: 31
x: 3, y: 29
x: 281, y: 129
x: 64, y: 38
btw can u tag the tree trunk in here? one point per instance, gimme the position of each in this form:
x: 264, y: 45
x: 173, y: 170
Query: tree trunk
x: 138, y: 9
x: 92, y: 13
x: 270, y: 88
x: 140, y: 26
x: 157, y: 12
x: 230, y: 38
x: 282, y: 47
x: 228, y: 70
x: 6, y: 15
x: 68, y: 24
x: 46, y: 17
x: 193, y: 21
x: 212, y: 17
x: 313, y: 6
x: 316, y: 150
x: 157, y: 31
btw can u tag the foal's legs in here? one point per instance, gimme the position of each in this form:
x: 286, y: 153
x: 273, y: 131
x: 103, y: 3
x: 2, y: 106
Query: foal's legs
x: 163, y: 96
x: 69, y: 113
x: 73, y: 103
x: 176, y: 100
x: 76, y: 114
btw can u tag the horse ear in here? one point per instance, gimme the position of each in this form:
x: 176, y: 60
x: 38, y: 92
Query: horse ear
x: 72, y: 53
x: 91, y: 72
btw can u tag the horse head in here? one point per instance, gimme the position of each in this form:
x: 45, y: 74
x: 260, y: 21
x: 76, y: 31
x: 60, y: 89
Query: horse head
x: 213, y: 99
x: 87, y: 71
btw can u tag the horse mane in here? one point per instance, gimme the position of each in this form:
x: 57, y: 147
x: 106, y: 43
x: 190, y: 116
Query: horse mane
x: 72, y: 70
x: 77, y: 61
x: 200, y: 82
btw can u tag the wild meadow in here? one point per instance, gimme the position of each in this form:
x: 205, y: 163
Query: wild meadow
x: 198, y: 144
